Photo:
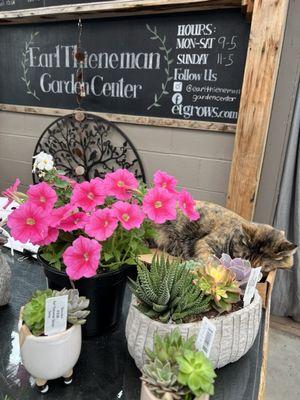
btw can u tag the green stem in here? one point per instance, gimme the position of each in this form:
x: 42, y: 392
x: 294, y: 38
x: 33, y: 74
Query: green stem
x: 128, y: 248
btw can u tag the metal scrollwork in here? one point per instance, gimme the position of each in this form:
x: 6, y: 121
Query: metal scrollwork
x: 88, y: 148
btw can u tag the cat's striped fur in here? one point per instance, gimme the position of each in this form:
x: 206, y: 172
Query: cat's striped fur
x: 222, y: 231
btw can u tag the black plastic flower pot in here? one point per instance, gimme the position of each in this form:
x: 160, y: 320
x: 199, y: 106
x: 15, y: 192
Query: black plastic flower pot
x: 105, y: 292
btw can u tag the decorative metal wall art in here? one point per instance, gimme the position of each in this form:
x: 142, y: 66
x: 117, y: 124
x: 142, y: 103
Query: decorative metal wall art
x: 87, y: 146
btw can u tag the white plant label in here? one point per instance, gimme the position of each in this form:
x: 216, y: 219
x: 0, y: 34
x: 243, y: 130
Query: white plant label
x: 56, y: 313
x: 206, y: 336
x: 254, y: 277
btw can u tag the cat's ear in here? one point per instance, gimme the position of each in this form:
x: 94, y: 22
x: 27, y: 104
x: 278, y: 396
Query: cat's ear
x: 286, y: 247
x: 249, y: 230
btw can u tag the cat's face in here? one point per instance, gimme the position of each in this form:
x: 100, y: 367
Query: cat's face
x: 264, y: 246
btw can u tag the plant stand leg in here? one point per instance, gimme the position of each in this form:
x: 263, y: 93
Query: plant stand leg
x: 41, y: 385
x: 68, y: 377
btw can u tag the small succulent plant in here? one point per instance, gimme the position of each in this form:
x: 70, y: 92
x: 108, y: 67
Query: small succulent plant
x: 164, y: 371
x: 196, y: 372
x: 162, y: 379
x: 34, y: 310
x: 219, y: 282
x: 241, y: 268
x: 166, y: 291
x: 77, y: 306
x: 168, y: 347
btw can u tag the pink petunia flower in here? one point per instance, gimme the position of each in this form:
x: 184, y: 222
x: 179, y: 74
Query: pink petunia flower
x: 120, y: 184
x: 130, y: 215
x: 76, y: 220
x: 88, y: 195
x: 159, y: 205
x: 51, y: 237
x: 42, y: 195
x: 188, y: 205
x: 82, y: 258
x: 101, y: 224
x: 10, y: 192
x: 165, y: 181
x: 28, y: 223
x: 60, y: 213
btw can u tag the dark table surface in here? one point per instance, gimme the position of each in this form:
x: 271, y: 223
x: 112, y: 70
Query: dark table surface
x: 105, y: 370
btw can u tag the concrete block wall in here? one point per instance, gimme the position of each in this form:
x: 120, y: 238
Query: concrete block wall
x: 199, y: 160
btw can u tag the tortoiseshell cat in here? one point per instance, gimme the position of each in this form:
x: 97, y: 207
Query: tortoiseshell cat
x: 222, y: 231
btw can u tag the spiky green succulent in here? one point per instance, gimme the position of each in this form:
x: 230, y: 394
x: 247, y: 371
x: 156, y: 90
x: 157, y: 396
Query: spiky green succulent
x: 196, y: 372
x: 34, y: 310
x: 164, y: 371
x: 218, y: 282
x: 166, y: 291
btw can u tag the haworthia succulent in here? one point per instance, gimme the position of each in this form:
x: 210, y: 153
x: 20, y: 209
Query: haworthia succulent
x: 166, y: 291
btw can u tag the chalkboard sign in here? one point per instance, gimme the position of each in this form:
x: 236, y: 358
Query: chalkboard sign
x: 186, y: 66
x: 8, y: 5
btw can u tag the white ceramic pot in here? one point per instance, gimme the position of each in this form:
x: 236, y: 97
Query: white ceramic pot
x: 235, y: 333
x: 146, y: 394
x: 50, y: 357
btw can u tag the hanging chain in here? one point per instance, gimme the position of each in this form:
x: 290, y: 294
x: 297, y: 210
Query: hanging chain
x: 80, y: 57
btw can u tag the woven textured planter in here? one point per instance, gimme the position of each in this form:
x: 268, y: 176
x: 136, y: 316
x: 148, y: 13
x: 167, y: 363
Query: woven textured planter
x: 235, y: 333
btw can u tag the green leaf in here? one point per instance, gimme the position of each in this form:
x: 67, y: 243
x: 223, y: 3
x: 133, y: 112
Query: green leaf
x: 57, y: 265
x: 107, y: 256
x: 47, y: 256
x: 130, y: 261
x: 159, y: 308
x: 184, y: 366
x: 60, y: 183
x: 195, y: 381
x: 182, y: 378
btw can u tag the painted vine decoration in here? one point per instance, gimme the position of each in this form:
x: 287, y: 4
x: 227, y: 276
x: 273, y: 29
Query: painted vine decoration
x: 24, y: 62
x: 169, y: 61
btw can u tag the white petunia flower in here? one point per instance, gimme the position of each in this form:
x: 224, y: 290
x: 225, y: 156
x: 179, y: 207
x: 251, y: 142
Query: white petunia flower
x: 43, y: 162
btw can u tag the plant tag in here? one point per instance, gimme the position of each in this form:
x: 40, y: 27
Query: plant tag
x: 56, y: 313
x: 206, y: 336
x: 254, y: 277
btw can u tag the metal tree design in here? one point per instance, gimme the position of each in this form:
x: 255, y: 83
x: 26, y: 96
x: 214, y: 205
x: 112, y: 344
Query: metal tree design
x: 89, y: 148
